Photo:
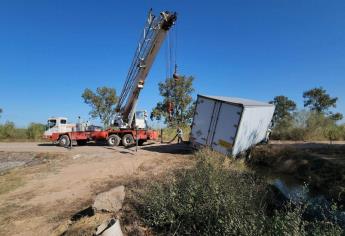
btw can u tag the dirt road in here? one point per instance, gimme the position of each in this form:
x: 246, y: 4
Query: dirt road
x: 46, y: 184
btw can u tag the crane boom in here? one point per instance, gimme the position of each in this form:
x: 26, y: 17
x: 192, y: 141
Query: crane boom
x: 154, y: 33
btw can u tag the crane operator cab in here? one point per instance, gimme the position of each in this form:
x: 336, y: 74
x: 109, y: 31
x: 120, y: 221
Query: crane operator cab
x: 140, y: 120
x: 57, y: 125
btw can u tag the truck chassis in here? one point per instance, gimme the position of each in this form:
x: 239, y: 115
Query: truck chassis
x: 112, y: 137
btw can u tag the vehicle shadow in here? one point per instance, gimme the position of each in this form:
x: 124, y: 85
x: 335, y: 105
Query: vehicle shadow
x: 120, y: 150
x: 46, y: 144
x: 182, y: 148
x: 324, y: 148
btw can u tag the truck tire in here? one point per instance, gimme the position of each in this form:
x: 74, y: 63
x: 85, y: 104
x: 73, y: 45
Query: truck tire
x: 113, y: 140
x: 64, y: 141
x: 128, y: 140
x: 81, y: 142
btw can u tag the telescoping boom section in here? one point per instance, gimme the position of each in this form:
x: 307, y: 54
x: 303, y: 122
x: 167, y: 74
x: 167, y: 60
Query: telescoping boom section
x: 154, y: 33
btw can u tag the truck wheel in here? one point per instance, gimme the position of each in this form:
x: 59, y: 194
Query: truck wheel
x: 64, y: 141
x: 128, y: 140
x: 81, y: 142
x: 113, y: 140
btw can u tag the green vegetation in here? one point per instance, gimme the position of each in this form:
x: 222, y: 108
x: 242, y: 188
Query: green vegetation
x: 284, y: 108
x: 9, y: 132
x: 35, y: 131
x: 318, y: 100
x: 212, y: 199
x: 170, y: 132
x: 308, y: 125
x: 316, y: 123
x: 177, y: 106
x: 102, y: 103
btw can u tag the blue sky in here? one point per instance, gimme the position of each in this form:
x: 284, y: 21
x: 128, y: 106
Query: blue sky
x: 50, y: 51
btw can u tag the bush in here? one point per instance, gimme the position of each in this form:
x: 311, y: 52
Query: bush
x: 35, y: 131
x: 297, y: 134
x: 210, y: 199
x: 8, y: 130
x: 333, y: 132
x: 308, y: 126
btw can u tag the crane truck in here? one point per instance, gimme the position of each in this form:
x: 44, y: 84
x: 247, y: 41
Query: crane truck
x: 128, y: 125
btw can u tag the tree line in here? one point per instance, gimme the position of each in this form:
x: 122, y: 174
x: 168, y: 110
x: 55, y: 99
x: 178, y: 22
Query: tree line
x: 176, y: 107
x: 316, y: 121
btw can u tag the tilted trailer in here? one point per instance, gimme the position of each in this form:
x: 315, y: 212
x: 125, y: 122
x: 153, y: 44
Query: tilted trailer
x: 230, y: 125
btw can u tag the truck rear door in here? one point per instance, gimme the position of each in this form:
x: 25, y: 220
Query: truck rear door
x: 226, y: 127
x: 202, y: 120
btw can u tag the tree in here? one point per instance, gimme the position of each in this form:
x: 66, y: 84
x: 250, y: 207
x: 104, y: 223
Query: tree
x: 318, y: 100
x: 336, y: 116
x: 177, y: 105
x: 1, y: 112
x: 102, y: 103
x: 284, y: 107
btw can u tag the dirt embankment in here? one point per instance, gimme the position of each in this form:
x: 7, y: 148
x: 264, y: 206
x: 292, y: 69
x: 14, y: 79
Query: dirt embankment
x: 42, y: 186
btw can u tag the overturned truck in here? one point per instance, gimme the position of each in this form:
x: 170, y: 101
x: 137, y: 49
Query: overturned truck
x: 229, y: 125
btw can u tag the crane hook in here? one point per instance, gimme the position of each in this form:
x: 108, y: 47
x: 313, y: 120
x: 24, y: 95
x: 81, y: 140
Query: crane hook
x: 175, y: 75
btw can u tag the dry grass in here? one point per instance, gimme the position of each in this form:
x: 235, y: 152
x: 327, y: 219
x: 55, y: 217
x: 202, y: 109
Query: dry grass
x: 170, y: 133
x: 85, y: 226
x: 10, y: 181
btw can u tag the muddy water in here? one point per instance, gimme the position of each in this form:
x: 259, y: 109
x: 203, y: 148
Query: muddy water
x: 317, y: 206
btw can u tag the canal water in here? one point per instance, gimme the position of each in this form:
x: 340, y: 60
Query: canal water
x: 317, y: 206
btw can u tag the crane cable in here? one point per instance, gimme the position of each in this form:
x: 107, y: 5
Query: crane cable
x: 169, y: 59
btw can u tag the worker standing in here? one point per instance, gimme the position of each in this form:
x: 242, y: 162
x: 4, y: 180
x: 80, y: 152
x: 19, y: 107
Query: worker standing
x: 179, y: 135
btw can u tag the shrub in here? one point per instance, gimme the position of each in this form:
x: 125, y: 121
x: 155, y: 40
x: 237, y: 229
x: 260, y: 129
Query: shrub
x: 210, y: 199
x: 8, y: 130
x: 297, y: 134
x: 333, y: 132
x: 35, y: 131
x: 202, y: 201
x: 308, y: 126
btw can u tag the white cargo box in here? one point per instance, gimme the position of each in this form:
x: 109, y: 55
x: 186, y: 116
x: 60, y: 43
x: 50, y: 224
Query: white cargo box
x: 230, y: 125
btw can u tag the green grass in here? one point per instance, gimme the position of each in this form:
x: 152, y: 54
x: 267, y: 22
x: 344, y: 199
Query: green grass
x: 9, y: 132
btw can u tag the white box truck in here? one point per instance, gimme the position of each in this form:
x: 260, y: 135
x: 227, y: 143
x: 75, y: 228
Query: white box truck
x: 230, y: 125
